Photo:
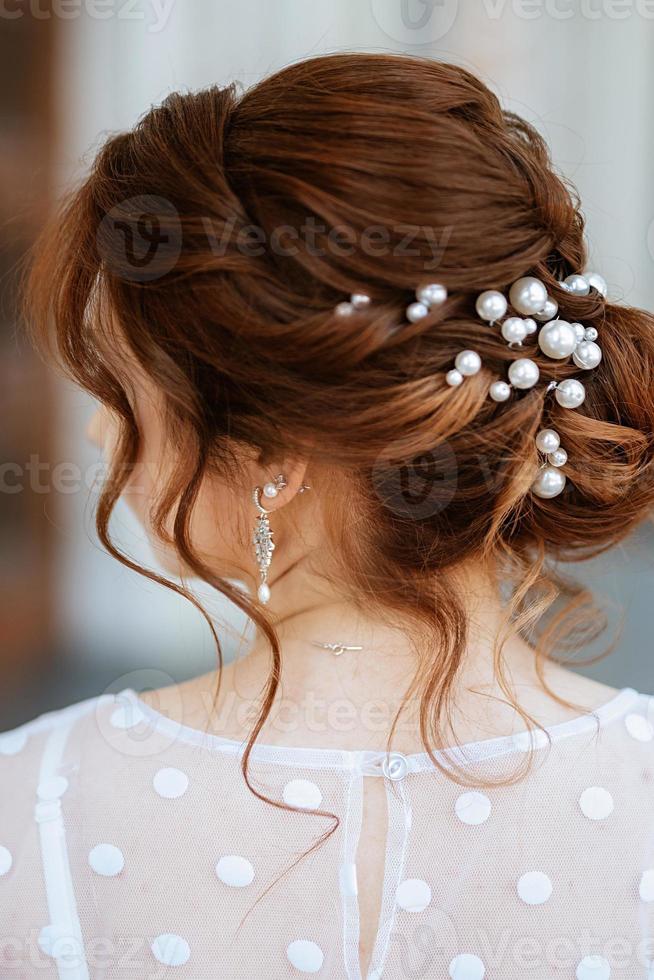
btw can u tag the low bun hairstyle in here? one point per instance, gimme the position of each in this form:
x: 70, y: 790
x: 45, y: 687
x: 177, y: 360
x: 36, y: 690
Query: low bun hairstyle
x: 343, y: 174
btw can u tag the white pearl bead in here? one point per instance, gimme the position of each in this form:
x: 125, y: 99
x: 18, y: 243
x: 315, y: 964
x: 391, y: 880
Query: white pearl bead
x: 270, y: 490
x: 454, y: 378
x: 416, y: 311
x: 528, y: 295
x: 500, y: 391
x: 263, y: 593
x: 344, y: 309
x: 557, y: 339
x: 359, y: 300
x: 558, y: 458
x: 432, y: 294
x: 576, y: 285
x: 524, y: 373
x: 590, y: 333
x: 514, y: 330
x: 597, y: 282
x: 549, y: 483
x: 530, y: 325
x: 548, y: 312
x: 491, y: 305
x: 468, y: 362
x: 579, y: 330
x: 587, y: 355
x: 570, y: 393
x: 548, y: 441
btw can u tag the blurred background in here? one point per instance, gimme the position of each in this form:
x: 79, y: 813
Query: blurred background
x: 72, y: 621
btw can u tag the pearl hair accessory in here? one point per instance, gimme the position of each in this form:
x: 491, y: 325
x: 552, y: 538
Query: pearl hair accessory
x: 431, y: 294
x: 357, y: 301
x: 550, y: 481
x: 466, y: 363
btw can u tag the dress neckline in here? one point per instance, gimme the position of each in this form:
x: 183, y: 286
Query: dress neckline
x: 321, y: 757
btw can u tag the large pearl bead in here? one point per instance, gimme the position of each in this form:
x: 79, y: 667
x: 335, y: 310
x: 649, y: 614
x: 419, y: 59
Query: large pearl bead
x: 491, y: 305
x: 558, y: 458
x: 514, y: 330
x: 416, y: 311
x: 576, y: 285
x: 587, y: 355
x: 548, y: 312
x: 359, y: 300
x: 263, y: 592
x: 548, y: 441
x: 570, y: 393
x: 597, y: 282
x: 528, y: 295
x: 468, y: 362
x: 557, y: 339
x: 432, y: 294
x: 530, y: 325
x: 454, y: 378
x: 590, y: 333
x: 523, y: 373
x: 549, y: 483
x: 270, y: 490
x: 580, y: 331
x: 500, y: 391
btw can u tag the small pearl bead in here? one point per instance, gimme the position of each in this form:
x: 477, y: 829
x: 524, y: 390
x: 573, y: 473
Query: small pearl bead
x: 432, y: 294
x: 548, y: 441
x: 468, y: 362
x: 530, y: 325
x: 548, y: 312
x: 576, y: 285
x: 557, y: 339
x: 491, y: 305
x: 579, y: 330
x: 270, y: 490
x: 524, y: 373
x: 570, y: 393
x: 416, y: 311
x: 549, y: 483
x: 587, y: 355
x: 500, y: 391
x: 263, y: 593
x: 590, y: 333
x: 359, y: 300
x: 597, y: 282
x: 558, y: 458
x: 528, y: 295
x: 454, y: 378
x: 344, y: 309
x: 514, y: 330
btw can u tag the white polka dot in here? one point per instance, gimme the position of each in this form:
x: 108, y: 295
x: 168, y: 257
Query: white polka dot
x: 467, y: 966
x: 171, y: 950
x: 235, y: 870
x: 126, y: 716
x: 596, y: 803
x: 473, y: 807
x: 170, y: 783
x: 534, y: 887
x: 302, y: 793
x: 12, y: 742
x: 639, y: 728
x: 593, y: 968
x: 6, y: 860
x: 414, y: 895
x: 107, y: 860
x: 646, y: 888
x: 305, y: 955
x: 52, y: 788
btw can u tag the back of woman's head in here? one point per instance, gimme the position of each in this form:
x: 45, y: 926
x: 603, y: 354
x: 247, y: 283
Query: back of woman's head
x: 222, y: 232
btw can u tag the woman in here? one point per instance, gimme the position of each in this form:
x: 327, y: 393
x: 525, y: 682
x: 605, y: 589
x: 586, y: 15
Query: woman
x: 351, y: 376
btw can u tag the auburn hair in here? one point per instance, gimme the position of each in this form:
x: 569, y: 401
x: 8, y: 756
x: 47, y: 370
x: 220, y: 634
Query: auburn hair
x: 265, y: 209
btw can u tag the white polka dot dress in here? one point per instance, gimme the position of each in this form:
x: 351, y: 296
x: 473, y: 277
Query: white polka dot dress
x: 131, y: 841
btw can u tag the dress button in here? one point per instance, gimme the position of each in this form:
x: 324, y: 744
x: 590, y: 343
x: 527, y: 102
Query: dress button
x: 395, y: 766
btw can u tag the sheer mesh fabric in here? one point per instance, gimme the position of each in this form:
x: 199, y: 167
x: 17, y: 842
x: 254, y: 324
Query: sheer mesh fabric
x: 131, y: 848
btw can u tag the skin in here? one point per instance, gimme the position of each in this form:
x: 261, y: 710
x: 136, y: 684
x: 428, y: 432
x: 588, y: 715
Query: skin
x: 323, y: 700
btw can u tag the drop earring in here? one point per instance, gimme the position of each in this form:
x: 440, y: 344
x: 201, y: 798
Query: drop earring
x: 263, y: 535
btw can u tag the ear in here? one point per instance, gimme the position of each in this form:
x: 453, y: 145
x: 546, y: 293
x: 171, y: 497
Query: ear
x: 279, y: 485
